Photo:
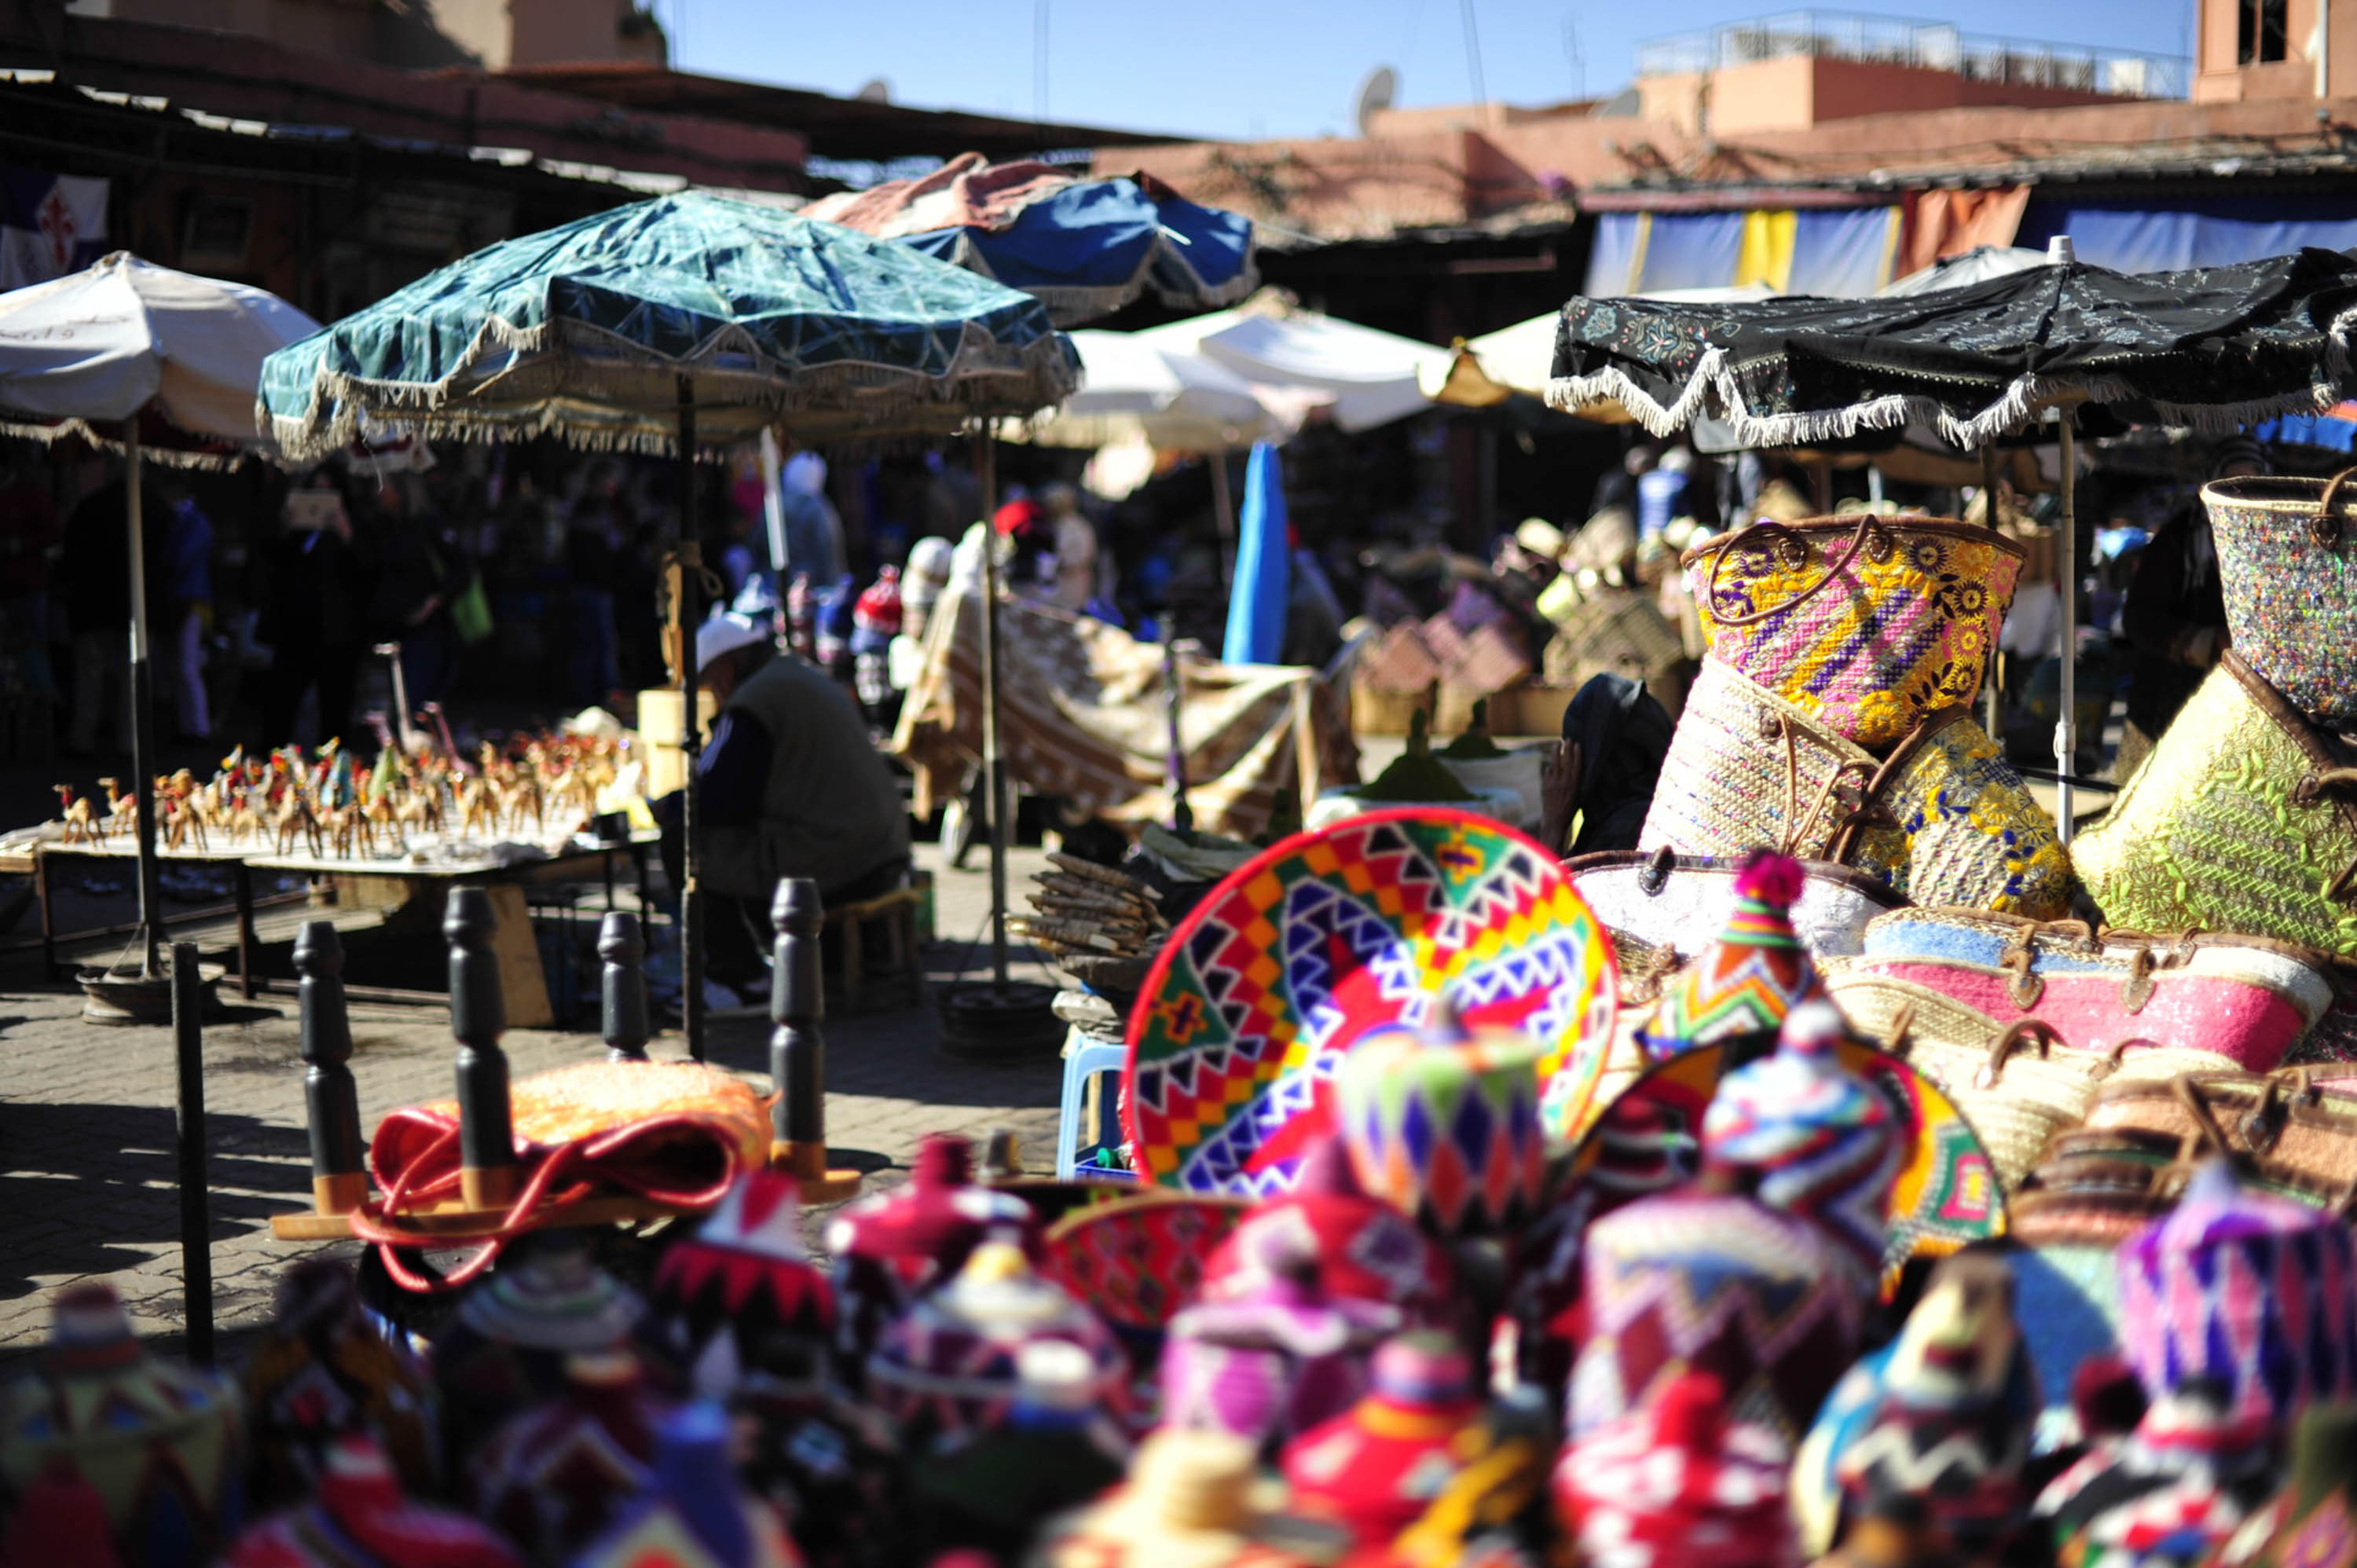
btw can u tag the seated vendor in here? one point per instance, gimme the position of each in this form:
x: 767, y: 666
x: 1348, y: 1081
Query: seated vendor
x: 788, y: 785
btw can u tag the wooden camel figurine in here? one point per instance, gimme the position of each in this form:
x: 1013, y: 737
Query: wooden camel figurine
x: 80, y: 817
x: 294, y: 816
x: 241, y: 822
x: 121, y: 810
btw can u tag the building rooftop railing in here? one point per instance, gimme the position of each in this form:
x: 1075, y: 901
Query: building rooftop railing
x: 1928, y: 46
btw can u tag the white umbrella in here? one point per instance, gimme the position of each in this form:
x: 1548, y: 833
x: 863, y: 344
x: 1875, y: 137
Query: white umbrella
x: 92, y: 352
x: 1132, y: 388
x: 1978, y: 264
x: 1371, y: 377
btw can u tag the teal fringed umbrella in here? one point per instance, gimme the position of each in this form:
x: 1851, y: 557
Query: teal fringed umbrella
x: 688, y: 322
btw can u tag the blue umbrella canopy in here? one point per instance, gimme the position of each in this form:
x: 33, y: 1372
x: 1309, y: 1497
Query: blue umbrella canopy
x: 1083, y: 247
x: 586, y: 331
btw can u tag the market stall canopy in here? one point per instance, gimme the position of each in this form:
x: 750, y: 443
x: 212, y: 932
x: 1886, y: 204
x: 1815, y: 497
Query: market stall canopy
x: 1372, y: 377
x: 1082, y: 247
x: 2209, y: 348
x: 589, y: 331
x: 1978, y: 264
x: 1487, y: 370
x: 1134, y: 389
x: 81, y: 354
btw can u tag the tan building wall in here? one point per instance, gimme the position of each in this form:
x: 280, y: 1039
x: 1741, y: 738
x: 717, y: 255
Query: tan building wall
x: 2219, y: 78
x: 495, y: 35
x: 1795, y: 91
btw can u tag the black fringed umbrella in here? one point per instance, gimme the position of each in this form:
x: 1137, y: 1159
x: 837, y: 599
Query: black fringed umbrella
x: 2214, y: 350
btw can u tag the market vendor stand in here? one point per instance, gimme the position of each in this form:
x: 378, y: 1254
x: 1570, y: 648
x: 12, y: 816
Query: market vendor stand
x: 2209, y: 350
x: 687, y: 325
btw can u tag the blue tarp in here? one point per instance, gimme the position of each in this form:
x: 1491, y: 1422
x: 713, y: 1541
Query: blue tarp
x: 2149, y: 237
x: 1843, y: 251
x: 2329, y: 431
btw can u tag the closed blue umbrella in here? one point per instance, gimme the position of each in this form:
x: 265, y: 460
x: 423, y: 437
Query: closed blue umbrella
x: 1256, y: 602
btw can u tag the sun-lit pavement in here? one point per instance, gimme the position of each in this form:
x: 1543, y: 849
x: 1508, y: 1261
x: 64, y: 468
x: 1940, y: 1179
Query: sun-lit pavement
x: 87, y: 1184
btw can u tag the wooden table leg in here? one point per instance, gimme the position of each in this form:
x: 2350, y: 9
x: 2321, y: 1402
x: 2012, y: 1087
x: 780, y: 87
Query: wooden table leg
x: 241, y: 878
x: 48, y: 925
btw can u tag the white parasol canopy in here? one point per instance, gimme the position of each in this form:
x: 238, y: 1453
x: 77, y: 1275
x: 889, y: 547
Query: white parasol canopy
x: 82, y: 353
x: 1132, y: 388
x: 1372, y: 377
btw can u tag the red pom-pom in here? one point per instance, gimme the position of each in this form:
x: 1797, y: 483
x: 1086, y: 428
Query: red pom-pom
x: 1768, y: 877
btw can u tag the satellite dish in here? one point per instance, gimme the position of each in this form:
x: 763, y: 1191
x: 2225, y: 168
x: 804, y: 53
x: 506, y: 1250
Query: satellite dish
x: 876, y: 90
x: 1375, y: 95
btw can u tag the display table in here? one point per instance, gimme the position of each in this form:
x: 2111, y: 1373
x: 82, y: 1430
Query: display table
x: 375, y: 893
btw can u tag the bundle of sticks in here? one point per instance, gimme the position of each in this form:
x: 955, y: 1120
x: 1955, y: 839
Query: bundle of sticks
x: 1087, y: 912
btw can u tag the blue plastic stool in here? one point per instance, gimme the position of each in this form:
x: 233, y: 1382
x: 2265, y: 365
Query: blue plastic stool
x: 1085, y: 1059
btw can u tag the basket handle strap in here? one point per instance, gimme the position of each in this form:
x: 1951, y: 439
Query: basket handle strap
x: 2325, y: 526
x: 2206, y: 1126
x: 1719, y: 561
x: 2023, y: 1031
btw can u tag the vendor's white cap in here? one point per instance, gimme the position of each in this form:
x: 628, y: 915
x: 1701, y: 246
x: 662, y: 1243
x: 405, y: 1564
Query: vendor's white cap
x: 725, y: 633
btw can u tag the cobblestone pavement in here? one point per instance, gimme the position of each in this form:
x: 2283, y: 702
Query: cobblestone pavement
x: 87, y: 1184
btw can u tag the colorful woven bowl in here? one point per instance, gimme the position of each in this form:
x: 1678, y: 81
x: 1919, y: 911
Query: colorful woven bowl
x: 1307, y: 947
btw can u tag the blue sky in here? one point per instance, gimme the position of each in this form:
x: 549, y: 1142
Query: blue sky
x: 1274, y: 67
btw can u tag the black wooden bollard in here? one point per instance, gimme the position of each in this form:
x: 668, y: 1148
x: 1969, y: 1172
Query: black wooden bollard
x: 338, y: 1166
x: 489, y: 1176
x: 797, y: 1049
x: 189, y: 1137
x: 623, y: 984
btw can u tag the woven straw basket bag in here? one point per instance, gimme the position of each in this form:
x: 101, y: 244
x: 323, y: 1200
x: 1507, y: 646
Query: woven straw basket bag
x: 2288, y: 561
x: 1868, y: 624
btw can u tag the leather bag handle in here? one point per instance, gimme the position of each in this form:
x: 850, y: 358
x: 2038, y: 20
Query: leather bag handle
x: 1719, y: 561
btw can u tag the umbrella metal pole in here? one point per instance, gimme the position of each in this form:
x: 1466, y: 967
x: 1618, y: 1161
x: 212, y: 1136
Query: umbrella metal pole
x: 1223, y: 502
x: 2066, y: 726
x: 143, y: 716
x: 1990, y: 697
x: 685, y: 611
x: 993, y: 773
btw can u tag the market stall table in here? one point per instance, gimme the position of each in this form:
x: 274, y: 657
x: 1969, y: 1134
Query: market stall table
x: 373, y: 890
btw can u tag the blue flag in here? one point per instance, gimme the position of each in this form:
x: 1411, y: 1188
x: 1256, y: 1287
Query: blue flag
x: 1256, y: 602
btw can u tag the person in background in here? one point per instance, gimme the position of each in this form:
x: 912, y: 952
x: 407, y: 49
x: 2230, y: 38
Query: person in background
x: 186, y: 594
x: 790, y: 785
x: 1661, y: 492
x: 97, y: 573
x: 29, y: 532
x: 2174, y: 617
x: 313, y: 593
x: 418, y: 571
x: 1617, y: 487
x: 1073, y: 541
x: 814, y: 530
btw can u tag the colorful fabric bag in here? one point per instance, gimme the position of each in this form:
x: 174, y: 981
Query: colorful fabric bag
x: 2244, y: 998
x: 2287, y: 562
x: 1942, y: 820
x: 2243, y: 819
x: 1869, y: 626
x: 1672, y: 903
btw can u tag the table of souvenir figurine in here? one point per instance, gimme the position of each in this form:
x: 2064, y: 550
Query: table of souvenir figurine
x: 357, y: 883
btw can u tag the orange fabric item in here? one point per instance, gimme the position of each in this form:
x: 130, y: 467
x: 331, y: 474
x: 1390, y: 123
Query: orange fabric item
x: 1950, y: 223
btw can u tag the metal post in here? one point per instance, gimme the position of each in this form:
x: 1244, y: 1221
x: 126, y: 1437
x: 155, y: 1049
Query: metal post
x: 331, y: 1100
x: 689, y: 614
x: 143, y: 719
x: 487, y: 1174
x: 189, y: 1145
x: 994, y: 770
x: 622, y: 984
x: 1223, y: 502
x: 1182, y: 815
x: 797, y: 1002
x: 797, y: 1049
x: 2066, y: 726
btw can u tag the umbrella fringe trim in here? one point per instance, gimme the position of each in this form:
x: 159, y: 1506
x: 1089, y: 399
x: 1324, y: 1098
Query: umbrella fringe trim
x: 1714, y: 383
x: 49, y: 434
x: 331, y: 418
